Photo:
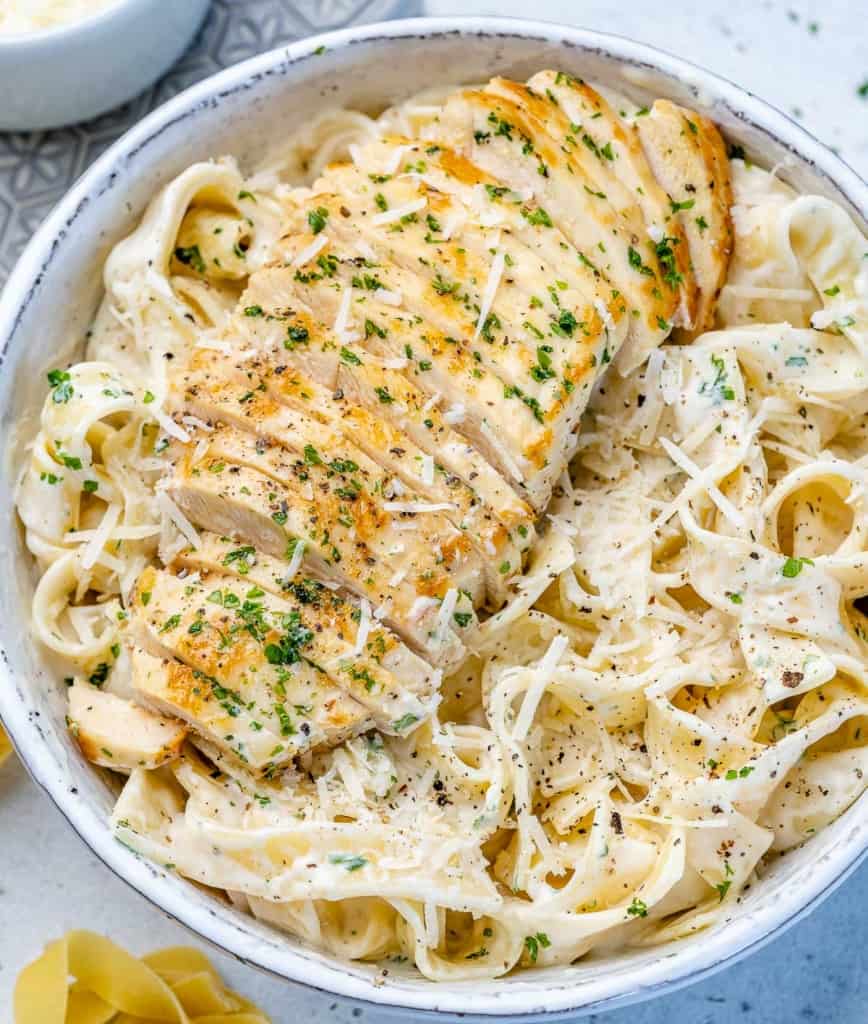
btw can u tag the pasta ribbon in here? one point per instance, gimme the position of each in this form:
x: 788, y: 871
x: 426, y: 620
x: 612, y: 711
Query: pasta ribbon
x: 178, y: 985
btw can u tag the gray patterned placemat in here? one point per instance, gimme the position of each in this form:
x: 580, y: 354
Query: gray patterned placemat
x: 37, y: 168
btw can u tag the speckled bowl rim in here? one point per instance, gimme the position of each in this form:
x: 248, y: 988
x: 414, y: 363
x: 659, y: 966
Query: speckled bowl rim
x: 533, y: 996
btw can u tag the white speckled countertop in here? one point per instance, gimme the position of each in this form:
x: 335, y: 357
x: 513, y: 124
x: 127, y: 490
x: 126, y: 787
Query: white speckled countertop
x: 809, y: 60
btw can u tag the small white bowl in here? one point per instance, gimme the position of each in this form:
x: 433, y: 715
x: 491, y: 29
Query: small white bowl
x: 51, y: 297
x: 78, y: 70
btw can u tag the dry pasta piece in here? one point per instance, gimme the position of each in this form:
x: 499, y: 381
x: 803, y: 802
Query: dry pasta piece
x: 177, y: 986
x: 5, y: 746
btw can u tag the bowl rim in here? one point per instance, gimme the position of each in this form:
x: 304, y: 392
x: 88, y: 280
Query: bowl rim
x: 65, y: 30
x: 532, y: 998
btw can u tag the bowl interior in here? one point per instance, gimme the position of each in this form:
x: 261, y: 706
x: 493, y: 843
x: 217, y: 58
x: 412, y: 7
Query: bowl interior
x: 46, y: 310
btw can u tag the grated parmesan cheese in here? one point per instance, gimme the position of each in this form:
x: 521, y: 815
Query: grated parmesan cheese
x: 343, y: 314
x: 170, y: 511
x: 390, y: 216
x: 100, y: 536
x: 454, y: 414
x: 169, y: 426
x: 364, y: 626
x: 491, y: 285
x: 542, y: 676
x: 309, y: 251
x: 444, y: 615
x: 295, y: 561
x: 420, y: 607
x: 505, y: 457
x: 419, y: 507
x: 685, y: 463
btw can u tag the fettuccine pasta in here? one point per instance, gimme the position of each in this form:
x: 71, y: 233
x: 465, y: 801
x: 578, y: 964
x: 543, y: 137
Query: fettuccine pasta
x: 85, y: 978
x: 677, y: 693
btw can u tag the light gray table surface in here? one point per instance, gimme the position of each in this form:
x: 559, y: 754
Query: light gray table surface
x: 808, y: 59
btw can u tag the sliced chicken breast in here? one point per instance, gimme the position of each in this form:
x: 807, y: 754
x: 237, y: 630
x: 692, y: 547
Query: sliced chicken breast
x: 508, y: 433
x: 354, y: 624
x: 588, y: 111
x: 396, y: 395
x: 688, y: 158
x: 304, y: 626
x: 116, y: 733
x: 336, y: 420
x: 236, y: 669
x: 353, y: 535
x: 522, y: 142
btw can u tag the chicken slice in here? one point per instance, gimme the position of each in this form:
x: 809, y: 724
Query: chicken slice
x: 212, y: 386
x: 302, y: 631
x: 588, y: 111
x: 350, y: 622
x: 259, y: 728
x: 511, y: 139
x: 480, y: 285
x: 116, y: 733
x: 451, y: 298
x: 502, y: 421
x: 688, y: 158
x: 508, y: 434
x: 244, y: 487
x: 364, y: 383
x: 469, y: 194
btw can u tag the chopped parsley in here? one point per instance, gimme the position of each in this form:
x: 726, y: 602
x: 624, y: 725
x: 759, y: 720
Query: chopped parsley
x: 636, y: 262
x: 349, y: 861
x: 719, y: 389
x: 317, y: 219
x: 537, y: 217
x: 444, y: 287
x: 687, y: 204
x: 793, y: 566
x: 296, y: 336
x: 242, y: 558
x: 296, y: 636
x: 543, y: 370
x: 637, y: 908
x: 372, y: 328
x: 666, y: 255
x: 61, y: 384
x: 533, y: 944
x: 191, y: 257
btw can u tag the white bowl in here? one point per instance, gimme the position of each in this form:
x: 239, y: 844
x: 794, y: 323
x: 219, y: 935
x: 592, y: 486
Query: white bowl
x: 77, y: 71
x: 53, y: 291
